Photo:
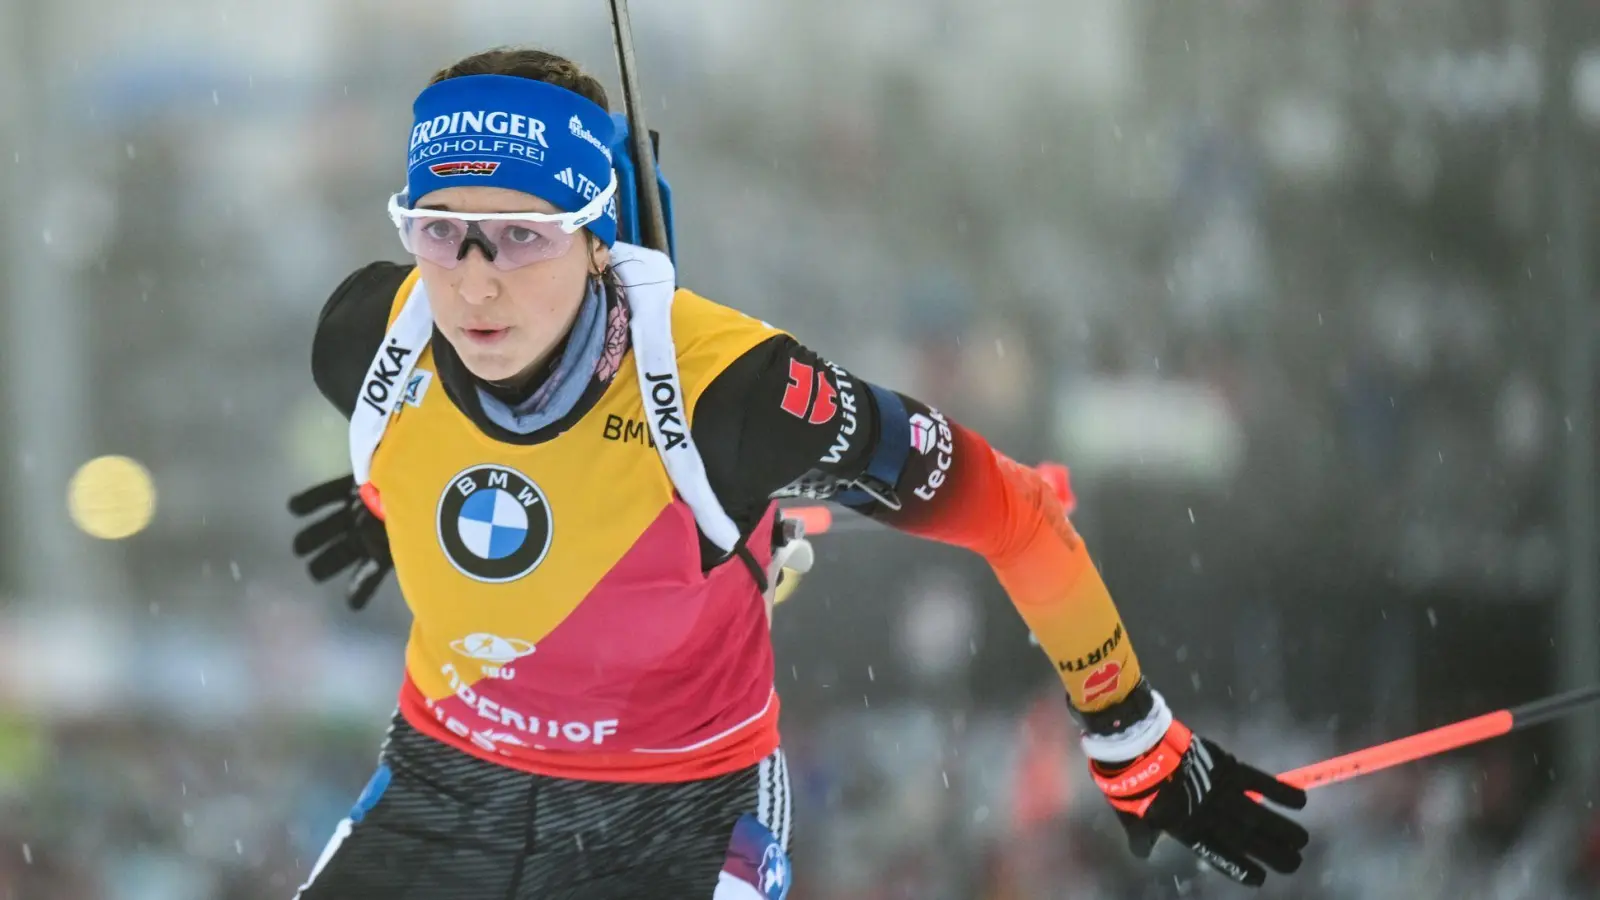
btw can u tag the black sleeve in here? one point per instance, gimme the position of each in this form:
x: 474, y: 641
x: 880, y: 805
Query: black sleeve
x: 782, y: 421
x: 350, y: 330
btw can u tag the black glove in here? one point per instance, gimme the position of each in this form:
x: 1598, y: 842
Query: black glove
x: 1195, y: 792
x: 348, y: 536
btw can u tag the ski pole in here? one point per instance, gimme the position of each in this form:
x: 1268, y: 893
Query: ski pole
x: 1440, y: 740
x: 652, y: 218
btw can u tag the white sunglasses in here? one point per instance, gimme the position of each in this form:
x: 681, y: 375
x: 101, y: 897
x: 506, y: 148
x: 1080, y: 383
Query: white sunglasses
x: 570, y: 222
x: 509, y: 240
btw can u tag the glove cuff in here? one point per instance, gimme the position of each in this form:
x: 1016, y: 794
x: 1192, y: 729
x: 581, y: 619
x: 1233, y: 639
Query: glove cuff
x: 371, y: 499
x: 1134, y: 741
x: 1132, y: 786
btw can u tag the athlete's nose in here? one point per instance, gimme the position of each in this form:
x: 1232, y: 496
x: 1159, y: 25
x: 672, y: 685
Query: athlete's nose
x: 478, y: 282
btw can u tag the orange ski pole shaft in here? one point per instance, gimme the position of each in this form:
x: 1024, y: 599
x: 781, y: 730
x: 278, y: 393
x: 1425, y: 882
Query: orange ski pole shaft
x: 1440, y: 740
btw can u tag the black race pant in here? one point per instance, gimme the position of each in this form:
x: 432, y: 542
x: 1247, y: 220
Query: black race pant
x: 449, y: 826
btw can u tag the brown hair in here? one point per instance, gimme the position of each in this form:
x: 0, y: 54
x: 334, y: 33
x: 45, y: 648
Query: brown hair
x: 526, y: 62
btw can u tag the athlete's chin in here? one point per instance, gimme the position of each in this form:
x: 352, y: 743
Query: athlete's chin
x: 497, y: 362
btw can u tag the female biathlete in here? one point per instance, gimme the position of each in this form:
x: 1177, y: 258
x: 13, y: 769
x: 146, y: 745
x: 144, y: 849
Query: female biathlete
x: 570, y: 463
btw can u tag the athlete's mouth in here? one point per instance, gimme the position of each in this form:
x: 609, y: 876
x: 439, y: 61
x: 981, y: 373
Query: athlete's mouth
x: 485, y: 335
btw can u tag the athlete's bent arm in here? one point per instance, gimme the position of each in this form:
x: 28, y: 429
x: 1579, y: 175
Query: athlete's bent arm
x: 784, y: 422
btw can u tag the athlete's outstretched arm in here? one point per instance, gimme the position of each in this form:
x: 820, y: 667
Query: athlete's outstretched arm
x: 783, y: 422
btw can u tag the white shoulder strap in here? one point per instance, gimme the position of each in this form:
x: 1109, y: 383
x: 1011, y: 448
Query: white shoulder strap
x: 649, y: 279
x: 382, y: 389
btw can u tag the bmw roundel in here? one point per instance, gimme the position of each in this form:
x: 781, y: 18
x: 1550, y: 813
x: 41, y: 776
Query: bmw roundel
x: 494, y: 523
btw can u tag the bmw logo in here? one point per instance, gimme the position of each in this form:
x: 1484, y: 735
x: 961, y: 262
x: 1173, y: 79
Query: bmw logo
x: 494, y: 523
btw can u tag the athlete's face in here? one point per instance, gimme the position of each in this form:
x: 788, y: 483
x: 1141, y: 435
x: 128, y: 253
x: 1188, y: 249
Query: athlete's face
x: 503, y: 324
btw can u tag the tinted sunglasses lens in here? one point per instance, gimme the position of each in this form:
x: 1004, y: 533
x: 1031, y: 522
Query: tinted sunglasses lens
x: 515, y: 242
x: 437, y: 240
x: 522, y: 242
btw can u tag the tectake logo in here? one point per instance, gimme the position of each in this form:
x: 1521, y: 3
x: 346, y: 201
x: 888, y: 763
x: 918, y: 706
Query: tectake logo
x: 931, y: 436
x: 923, y: 434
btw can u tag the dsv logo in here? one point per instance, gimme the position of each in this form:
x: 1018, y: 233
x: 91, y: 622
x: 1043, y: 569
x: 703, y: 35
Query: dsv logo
x: 665, y: 410
x: 378, y: 391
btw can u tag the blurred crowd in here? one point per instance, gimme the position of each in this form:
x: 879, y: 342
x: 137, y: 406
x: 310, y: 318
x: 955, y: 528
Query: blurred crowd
x: 1271, y: 277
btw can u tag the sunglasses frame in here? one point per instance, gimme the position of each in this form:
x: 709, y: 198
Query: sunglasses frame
x: 570, y: 222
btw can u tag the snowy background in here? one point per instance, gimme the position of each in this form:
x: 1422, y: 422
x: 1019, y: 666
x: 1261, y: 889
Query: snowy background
x: 1300, y: 289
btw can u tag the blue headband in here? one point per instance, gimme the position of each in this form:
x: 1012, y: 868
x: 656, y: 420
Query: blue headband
x: 517, y: 133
